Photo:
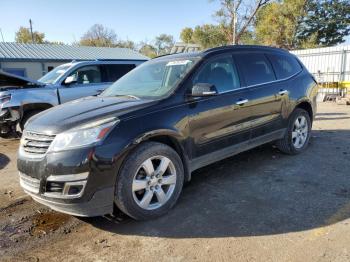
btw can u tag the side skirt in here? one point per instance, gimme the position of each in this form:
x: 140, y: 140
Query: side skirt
x: 235, y: 149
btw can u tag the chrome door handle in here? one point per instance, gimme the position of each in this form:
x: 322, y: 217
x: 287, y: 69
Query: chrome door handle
x: 242, y: 102
x: 283, y: 92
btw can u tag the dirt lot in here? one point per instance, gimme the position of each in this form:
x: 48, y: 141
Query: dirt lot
x: 260, y: 205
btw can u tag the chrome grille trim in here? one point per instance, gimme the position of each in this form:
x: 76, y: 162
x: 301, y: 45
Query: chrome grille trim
x: 30, y: 184
x: 36, y: 144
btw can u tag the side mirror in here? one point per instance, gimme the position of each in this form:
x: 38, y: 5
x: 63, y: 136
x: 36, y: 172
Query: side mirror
x: 70, y: 80
x: 204, y: 89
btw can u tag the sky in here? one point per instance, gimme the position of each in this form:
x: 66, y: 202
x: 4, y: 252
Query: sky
x: 137, y: 20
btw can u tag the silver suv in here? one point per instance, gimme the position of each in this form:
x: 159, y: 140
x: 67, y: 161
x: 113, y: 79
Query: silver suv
x: 21, y: 98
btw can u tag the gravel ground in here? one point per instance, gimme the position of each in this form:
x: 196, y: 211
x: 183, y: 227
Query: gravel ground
x: 260, y: 205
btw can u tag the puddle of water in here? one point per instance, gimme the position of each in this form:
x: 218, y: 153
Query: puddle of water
x: 45, y: 223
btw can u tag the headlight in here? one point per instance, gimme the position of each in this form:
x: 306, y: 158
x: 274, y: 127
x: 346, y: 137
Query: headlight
x: 4, y: 99
x: 84, y: 135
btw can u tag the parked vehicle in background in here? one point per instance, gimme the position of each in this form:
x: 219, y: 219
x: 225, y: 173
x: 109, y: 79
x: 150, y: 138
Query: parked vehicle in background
x: 136, y: 144
x: 21, y: 98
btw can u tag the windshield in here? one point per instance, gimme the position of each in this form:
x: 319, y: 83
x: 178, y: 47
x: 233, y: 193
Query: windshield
x: 52, y: 76
x: 152, y: 79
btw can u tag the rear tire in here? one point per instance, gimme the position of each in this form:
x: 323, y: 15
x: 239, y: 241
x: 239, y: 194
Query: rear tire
x: 297, y: 136
x: 149, y: 182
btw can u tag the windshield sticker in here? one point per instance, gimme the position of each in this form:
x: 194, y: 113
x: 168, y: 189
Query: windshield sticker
x: 179, y: 62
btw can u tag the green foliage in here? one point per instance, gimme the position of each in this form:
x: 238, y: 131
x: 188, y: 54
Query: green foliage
x: 327, y: 21
x: 206, y: 35
x: 277, y: 23
x: 23, y: 35
x: 148, y: 50
x: 295, y: 24
x: 186, y: 35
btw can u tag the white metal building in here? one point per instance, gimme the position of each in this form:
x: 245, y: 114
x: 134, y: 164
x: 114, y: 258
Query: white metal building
x: 328, y: 64
x: 35, y: 60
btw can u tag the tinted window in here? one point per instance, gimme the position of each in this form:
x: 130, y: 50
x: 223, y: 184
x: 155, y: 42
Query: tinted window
x: 114, y: 72
x: 86, y: 75
x: 284, y: 66
x: 220, y: 72
x: 255, y: 68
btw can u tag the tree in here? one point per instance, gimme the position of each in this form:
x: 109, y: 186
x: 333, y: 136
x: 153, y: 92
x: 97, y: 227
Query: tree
x: 126, y: 44
x: 278, y: 23
x: 23, y: 35
x: 186, y: 35
x: 148, y: 50
x: 235, y: 17
x: 208, y: 36
x: 164, y: 43
x: 328, y: 21
x: 295, y: 24
x: 98, y: 35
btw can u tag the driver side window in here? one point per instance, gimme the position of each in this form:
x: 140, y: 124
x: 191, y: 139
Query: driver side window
x: 220, y: 72
x: 85, y: 75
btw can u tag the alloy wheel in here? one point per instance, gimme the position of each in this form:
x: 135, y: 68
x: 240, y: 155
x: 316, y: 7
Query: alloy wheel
x: 154, y: 182
x: 300, y: 132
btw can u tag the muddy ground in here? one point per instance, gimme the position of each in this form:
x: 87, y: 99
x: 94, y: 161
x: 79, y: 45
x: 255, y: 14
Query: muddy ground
x: 260, y: 205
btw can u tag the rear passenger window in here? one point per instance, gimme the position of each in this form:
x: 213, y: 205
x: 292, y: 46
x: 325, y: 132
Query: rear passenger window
x: 114, y: 72
x: 220, y: 72
x: 255, y: 68
x: 284, y: 66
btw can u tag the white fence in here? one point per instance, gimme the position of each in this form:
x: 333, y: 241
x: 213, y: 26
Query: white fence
x: 329, y: 64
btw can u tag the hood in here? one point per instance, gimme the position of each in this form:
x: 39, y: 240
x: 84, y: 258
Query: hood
x: 12, y: 81
x: 69, y: 115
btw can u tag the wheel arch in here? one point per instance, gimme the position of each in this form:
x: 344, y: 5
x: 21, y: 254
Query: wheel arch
x: 172, y: 139
x: 35, y: 106
x: 306, y: 105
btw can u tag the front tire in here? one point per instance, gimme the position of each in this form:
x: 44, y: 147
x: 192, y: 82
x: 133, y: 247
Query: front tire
x: 150, y: 181
x: 297, y: 136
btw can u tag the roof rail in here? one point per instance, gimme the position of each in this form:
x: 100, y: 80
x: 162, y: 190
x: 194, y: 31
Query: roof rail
x: 241, y: 46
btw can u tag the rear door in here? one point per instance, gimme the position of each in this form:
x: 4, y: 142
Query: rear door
x: 267, y: 99
x: 115, y: 71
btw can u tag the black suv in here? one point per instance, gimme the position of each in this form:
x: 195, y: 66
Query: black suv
x: 135, y: 145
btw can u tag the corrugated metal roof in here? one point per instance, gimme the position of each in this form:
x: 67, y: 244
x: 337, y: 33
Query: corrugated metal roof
x: 16, y: 51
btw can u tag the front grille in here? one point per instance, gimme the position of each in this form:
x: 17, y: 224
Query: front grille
x: 28, y: 183
x: 35, y: 143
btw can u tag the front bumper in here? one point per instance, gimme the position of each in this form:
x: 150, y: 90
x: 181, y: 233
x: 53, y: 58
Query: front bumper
x: 9, y: 118
x: 48, y: 180
x: 100, y: 204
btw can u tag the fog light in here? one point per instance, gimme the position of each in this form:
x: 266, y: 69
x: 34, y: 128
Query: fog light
x: 74, y: 190
x: 66, y: 186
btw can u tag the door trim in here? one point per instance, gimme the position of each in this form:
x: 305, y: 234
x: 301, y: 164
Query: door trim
x: 235, y: 149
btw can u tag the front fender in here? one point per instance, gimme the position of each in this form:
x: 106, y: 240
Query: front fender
x: 22, y: 98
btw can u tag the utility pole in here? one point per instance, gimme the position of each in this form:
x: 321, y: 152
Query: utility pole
x: 2, y: 36
x: 234, y: 30
x: 31, y: 30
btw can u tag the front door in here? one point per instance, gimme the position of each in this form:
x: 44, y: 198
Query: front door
x: 220, y: 122
x: 84, y: 81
